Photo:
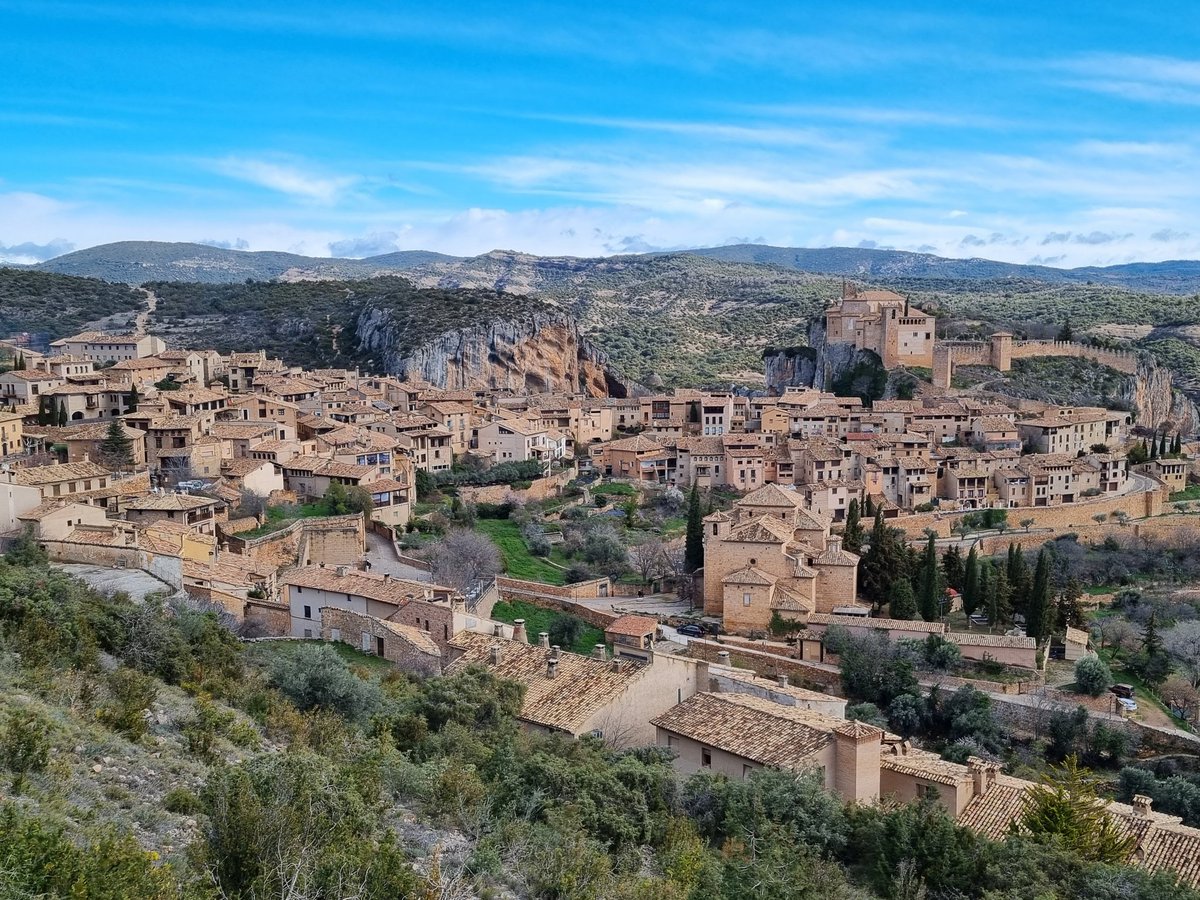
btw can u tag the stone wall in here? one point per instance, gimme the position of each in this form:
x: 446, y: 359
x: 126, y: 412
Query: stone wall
x: 1120, y: 360
x: 271, y: 617
x: 1067, y: 517
x: 539, y: 489
x: 766, y: 664
x: 350, y: 626
x: 333, y: 540
x: 560, y: 598
x: 168, y: 569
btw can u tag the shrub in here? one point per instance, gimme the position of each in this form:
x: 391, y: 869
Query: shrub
x: 24, y: 742
x: 181, y: 801
x: 316, y: 677
x: 1092, y: 676
x: 130, y: 695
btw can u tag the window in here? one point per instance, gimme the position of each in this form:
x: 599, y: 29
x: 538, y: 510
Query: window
x: 308, y: 612
x: 706, y: 757
x: 746, y: 770
x: 335, y: 634
x: 299, y: 590
x: 308, y: 632
x: 670, y: 740
x: 745, y: 599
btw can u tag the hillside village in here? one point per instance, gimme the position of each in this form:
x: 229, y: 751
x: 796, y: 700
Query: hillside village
x: 310, y: 505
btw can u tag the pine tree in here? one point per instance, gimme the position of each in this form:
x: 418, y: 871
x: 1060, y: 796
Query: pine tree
x: 116, y: 450
x: 693, y: 551
x: 1065, y: 811
x: 952, y: 567
x: 972, y: 592
x: 1065, y: 333
x: 62, y: 414
x: 1038, y: 614
x: 932, y: 590
x: 903, y: 603
x: 1152, y: 662
x: 852, y: 535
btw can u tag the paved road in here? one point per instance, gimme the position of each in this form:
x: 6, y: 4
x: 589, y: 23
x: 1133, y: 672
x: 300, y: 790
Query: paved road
x: 383, y: 560
x: 136, y: 583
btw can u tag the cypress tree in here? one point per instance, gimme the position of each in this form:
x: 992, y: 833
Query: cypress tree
x: 693, y: 550
x: 1177, y: 445
x: 999, y: 597
x: 931, y: 583
x: 131, y: 401
x: 1069, y: 611
x: 972, y: 592
x: 1039, y: 613
x: 1162, y: 445
x: 62, y: 414
x: 1018, y: 578
x: 1153, y: 448
x: 20, y: 364
x: 876, y: 568
x: 952, y: 567
x: 852, y: 535
x: 869, y: 508
x: 43, y: 418
x: 903, y: 604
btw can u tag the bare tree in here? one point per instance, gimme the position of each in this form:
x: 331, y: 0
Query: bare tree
x: 1183, y: 643
x: 1118, y: 632
x: 463, y: 560
x: 647, y: 559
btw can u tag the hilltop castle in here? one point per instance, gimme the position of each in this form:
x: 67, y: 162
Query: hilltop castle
x: 883, y: 322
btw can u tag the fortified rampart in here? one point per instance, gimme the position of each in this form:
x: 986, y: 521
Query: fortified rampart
x: 1001, y: 350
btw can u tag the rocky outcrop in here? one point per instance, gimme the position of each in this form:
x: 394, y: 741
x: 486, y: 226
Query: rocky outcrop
x: 1152, y: 396
x: 820, y: 365
x: 540, y: 353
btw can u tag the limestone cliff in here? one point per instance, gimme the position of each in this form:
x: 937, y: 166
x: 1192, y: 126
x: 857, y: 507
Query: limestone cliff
x: 1152, y: 395
x: 538, y: 353
x: 838, y: 367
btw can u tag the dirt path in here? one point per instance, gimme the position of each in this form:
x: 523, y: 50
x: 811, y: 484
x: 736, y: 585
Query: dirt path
x: 140, y: 322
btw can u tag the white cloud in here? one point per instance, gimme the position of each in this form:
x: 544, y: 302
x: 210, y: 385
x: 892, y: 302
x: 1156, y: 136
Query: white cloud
x: 286, y: 178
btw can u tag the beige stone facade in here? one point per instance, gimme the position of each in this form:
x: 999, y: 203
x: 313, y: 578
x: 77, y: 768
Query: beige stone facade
x: 885, y: 323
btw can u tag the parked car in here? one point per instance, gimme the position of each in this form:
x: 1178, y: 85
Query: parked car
x: 1127, y: 704
x: 1125, y: 691
x: 979, y: 619
x: 690, y: 631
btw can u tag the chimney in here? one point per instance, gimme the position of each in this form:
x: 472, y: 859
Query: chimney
x: 978, y: 770
x: 497, y: 652
x: 342, y: 570
x: 87, y: 457
x: 722, y: 657
x: 386, y: 578
x: 1141, y: 805
x: 782, y: 680
x: 544, y: 639
x: 551, y: 666
x: 833, y: 543
x: 856, y: 757
x: 519, y: 632
x: 555, y: 651
x: 497, y: 630
x: 599, y: 651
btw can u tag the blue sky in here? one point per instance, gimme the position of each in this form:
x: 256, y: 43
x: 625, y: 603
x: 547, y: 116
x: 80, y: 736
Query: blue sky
x: 1063, y: 133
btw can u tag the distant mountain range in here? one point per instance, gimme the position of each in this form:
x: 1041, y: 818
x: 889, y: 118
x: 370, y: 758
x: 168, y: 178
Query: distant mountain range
x: 136, y: 262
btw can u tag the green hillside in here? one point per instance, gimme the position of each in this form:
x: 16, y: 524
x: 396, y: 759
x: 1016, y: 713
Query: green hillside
x: 58, y: 305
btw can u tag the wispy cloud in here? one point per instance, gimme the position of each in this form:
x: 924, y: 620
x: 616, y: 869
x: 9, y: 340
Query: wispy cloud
x: 29, y: 253
x: 285, y: 177
x: 1153, y: 79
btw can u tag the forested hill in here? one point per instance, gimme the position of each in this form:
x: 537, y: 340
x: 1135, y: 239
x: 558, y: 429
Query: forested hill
x: 136, y: 262
x: 53, y: 306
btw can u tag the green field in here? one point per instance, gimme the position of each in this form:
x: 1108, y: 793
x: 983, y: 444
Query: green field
x: 279, y: 517
x: 615, y: 489
x: 518, y: 561
x: 1191, y: 492
x: 538, y: 620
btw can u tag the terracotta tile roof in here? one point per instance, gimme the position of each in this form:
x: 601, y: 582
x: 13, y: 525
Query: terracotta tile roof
x: 237, y: 468
x: 1175, y: 848
x: 992, y: 813
x: 925, y: 766
x: 1077, y: 636
x: 359, y: 584
x: 639, y: 443
x: 165, y: 502
x: 768, y: 733
x: 60, y: 472
x: 581, y: 687
x: 873, y: 622
x: 763, y: 530
x: 749, y: 575
x: 632, y: 626
x: 992, y: 640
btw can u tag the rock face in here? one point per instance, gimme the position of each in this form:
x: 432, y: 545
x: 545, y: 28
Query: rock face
x: 1151, y: 394
x: 541, y: 353
x: 818, y: 365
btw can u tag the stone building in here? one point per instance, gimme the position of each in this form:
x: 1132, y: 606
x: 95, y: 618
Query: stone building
x: 883, y: 322
x: 769, y: 554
